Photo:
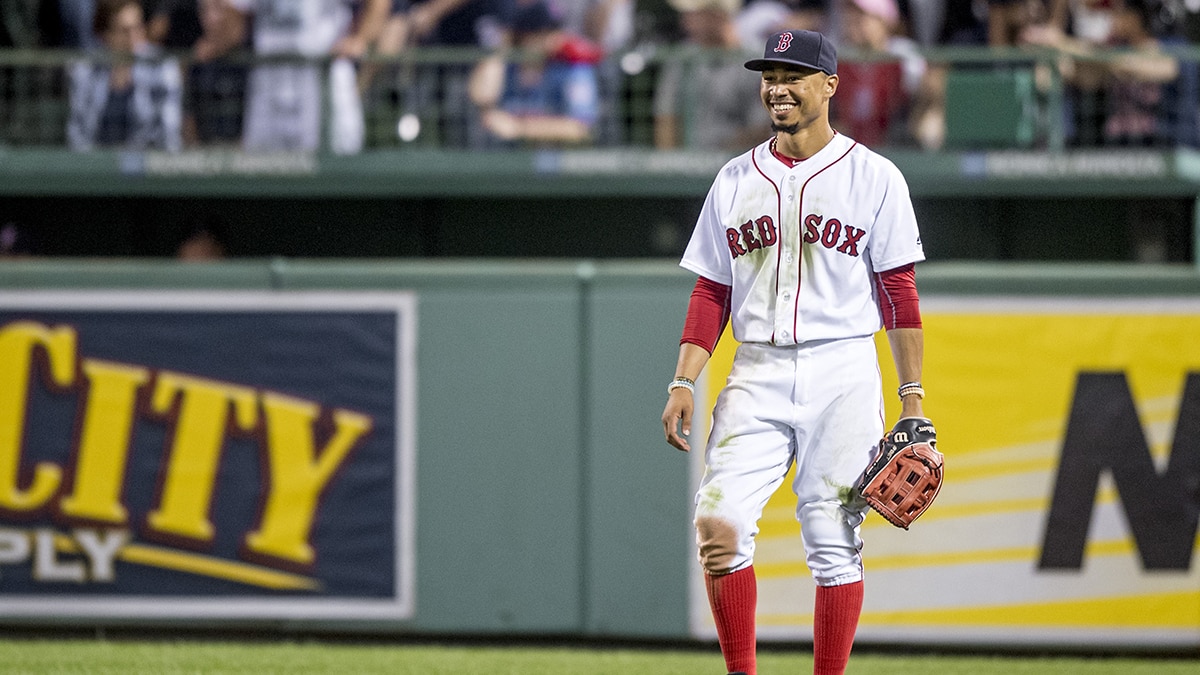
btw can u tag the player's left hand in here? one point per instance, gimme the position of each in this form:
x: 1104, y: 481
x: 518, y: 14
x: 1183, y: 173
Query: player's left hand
x: 677, y: 414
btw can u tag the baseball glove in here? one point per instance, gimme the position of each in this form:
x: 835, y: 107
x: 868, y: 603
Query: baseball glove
x: 906, y: 474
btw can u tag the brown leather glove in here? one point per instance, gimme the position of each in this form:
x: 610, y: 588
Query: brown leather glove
x: 906, y: 474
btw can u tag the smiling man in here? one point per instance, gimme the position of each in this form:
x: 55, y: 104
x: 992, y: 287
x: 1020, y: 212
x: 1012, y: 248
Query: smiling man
x: 807, y: 244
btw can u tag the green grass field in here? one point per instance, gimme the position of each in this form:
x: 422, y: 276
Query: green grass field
x: 124, y: 657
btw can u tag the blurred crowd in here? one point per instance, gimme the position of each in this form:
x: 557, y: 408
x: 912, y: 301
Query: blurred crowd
x: 298, y: 75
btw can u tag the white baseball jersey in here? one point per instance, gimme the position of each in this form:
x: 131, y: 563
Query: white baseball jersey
x: 800, y: 246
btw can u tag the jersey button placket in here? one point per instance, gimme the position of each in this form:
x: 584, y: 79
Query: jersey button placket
x: 788, y: 272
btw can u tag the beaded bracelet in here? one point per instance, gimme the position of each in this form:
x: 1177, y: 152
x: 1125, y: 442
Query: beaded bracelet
x: 681, y: 383
x: 911, y: 389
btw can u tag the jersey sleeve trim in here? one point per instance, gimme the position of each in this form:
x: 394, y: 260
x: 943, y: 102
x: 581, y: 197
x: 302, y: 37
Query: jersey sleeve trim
x: 901, y: 261
x: 725, y: 277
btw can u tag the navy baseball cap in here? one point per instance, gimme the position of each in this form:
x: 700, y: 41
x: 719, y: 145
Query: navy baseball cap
x: 805, y: 48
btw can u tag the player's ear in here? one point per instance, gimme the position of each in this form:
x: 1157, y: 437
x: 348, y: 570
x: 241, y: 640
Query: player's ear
x: 831, y: 85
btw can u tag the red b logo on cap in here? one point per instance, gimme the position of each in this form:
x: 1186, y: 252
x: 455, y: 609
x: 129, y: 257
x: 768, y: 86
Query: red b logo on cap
x: 785, y: 41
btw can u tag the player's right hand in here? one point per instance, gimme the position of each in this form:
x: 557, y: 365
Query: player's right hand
x: 678, y: 413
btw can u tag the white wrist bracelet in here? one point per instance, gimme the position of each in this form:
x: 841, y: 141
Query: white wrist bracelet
x: 681, y: 383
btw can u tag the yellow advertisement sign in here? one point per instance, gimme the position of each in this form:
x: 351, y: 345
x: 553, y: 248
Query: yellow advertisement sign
x: 1071, y: 431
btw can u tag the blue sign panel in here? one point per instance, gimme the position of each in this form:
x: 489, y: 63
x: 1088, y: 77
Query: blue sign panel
x: 207, y: 454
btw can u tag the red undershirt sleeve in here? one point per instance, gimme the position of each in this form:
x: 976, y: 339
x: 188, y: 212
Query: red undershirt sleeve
x: 898, y: 300
x: 708, y: 312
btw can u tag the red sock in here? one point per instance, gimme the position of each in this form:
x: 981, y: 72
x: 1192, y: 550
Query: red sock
x: 733, y: 599
x: 834, y: 624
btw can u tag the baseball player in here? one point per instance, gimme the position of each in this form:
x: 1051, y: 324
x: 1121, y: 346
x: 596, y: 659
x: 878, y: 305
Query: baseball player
x: 807, y: 244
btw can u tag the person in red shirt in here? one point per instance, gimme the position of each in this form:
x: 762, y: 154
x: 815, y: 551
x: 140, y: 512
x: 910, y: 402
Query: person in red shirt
x: 888, y: 95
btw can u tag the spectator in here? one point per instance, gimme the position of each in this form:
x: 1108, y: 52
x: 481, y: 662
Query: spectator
x: 202, y: 243
x: 284, y: 100
x: 128, y: 96
x: 704, y: 99
x: 934, y: 23
x: 173, y: 24
x: 1117, y: 99
x: 1177, y: 26
x: 1008, y: 18
x: 1137, y: 80
x: 613, y: 25
x: 889, y: 89
x: 214, y: 83
x: 1088, y: 20
x: 478, y: 24
x: 760, y: 19
x: 215, y: 91
x: 550, y: 94
x: 398, y: 93
x: 394, y: 37
x: 461, y: 23
x: 1085, y: 31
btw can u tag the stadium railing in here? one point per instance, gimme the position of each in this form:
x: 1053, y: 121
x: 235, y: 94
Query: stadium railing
x: 991, y: 99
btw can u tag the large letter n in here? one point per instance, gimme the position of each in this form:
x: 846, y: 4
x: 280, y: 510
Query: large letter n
x: 1104, y: 433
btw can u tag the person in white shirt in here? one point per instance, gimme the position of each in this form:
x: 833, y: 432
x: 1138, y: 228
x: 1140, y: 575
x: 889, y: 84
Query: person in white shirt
x: 806, y: 244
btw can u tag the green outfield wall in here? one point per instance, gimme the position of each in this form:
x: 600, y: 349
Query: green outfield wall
x: 546, y: 501
x: 1102, y: 205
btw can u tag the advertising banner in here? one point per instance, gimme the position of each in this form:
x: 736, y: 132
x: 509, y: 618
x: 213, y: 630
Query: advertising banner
x: 207, y: 454
x: 1068, y: 516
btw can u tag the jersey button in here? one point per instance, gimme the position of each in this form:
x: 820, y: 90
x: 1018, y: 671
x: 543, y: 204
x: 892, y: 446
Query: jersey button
x: 789, y: 198
x: 787, y: 295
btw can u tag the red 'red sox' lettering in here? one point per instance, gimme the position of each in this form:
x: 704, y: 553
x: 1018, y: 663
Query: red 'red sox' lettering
x: 832, y: 232
x: 752, y: 235
x: 766, y: 230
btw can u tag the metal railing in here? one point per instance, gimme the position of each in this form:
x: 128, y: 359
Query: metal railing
x: 981, y: 98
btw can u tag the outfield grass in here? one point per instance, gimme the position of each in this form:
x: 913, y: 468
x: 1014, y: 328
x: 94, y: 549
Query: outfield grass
x: 166, y: 657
